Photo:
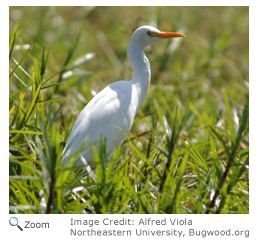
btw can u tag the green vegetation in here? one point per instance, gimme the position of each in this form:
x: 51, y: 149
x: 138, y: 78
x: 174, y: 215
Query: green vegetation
x: 188, y: 150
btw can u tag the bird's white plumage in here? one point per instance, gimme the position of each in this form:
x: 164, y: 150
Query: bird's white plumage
x: 113, y: 109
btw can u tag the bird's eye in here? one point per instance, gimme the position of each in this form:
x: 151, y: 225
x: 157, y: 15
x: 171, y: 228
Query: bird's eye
x: 149, y: 33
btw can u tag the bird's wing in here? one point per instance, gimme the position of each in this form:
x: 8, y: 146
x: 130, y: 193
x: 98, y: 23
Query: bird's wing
x: 108, y: 111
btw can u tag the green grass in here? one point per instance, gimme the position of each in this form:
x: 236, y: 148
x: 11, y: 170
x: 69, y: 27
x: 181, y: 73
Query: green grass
x: 188, y: 150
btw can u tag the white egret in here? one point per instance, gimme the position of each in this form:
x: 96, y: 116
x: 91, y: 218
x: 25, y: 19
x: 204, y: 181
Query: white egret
x: 113, y: 109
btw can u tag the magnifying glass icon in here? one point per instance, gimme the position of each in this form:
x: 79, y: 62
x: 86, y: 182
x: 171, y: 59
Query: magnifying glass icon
x: 14, y: 222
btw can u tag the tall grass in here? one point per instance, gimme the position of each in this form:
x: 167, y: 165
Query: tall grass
x: 188, y: 150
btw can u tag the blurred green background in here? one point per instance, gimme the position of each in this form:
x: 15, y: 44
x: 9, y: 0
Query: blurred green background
x: 214, y: 57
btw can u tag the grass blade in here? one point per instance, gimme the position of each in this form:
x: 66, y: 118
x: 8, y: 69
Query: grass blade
x: 12, y: 47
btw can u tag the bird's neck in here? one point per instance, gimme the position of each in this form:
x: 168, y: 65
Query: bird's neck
x: 141, y: 70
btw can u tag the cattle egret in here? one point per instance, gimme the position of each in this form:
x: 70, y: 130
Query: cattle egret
x: 110, y: 114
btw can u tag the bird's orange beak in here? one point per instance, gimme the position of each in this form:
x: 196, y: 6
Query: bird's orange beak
x: 163, y: 35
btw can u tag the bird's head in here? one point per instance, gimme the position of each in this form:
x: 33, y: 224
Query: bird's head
x: 149, y: 35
